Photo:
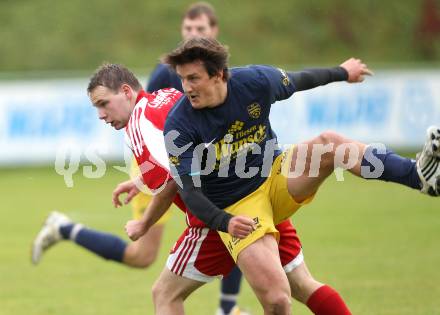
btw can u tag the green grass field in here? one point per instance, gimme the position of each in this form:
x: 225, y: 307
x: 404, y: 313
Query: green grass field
x: 378, y: 244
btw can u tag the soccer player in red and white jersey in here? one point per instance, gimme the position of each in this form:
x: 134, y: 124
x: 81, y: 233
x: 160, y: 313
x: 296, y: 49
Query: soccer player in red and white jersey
x: 199, y: 20
x: 199, y: 255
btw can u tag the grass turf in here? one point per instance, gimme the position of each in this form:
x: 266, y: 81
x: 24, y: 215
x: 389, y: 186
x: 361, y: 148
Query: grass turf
x: 376, y: 243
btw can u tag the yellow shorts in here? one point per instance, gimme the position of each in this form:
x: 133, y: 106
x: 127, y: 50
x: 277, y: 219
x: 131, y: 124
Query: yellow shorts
x: 141, y: 201
x: 269, y: 205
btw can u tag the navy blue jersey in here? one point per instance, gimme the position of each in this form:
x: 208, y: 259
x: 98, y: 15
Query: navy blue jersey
x: 227, y: 146
x: 163, y: 77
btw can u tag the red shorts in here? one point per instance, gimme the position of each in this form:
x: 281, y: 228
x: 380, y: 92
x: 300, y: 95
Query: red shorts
x: 200, y: 254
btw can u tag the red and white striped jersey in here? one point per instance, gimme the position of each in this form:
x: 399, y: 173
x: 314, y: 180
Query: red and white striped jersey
x: 144, y: 136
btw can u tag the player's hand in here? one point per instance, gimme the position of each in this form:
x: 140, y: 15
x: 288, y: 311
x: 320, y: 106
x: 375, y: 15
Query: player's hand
x: 128, y: 187
x: 135, y: 229
x: 357, y: 70
x: 241, y: 226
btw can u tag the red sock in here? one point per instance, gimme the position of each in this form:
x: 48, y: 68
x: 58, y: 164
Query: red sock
x: 326, y: 301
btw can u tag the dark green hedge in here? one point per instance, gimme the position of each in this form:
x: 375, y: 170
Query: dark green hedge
x: 80, y: 34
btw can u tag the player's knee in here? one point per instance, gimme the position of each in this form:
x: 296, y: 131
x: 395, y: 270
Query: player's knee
x: 145, y: 260
x: 166, y: 291
x: 328, y: 142
x: 155, y: 292
x: 276, y: 302
x: 138, y: 257
x: 330, y: 137
x: 159, y: 293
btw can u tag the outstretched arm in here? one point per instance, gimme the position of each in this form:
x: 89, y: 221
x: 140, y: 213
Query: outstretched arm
x: 351, y: 70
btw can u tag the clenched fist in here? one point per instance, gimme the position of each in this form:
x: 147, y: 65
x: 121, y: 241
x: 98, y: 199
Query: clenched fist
x: 241, y: 226
x: 356, y: 70
x: 135, y: 229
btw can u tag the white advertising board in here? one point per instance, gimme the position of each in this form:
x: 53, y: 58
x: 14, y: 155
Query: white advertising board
x: 40, y: 119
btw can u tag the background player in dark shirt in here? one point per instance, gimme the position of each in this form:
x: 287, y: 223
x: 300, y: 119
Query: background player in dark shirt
x: 199, y: 20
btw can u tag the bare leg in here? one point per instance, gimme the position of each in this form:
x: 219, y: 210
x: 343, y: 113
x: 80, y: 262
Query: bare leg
x: 261, y: 266
x: 318, y: 158
x: 302, y: 283
x: 170, y: 291
x: 321, y: 299
x: 144, y: 251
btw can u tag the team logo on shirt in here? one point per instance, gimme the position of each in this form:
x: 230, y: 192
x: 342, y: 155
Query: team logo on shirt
x: 235, y: 127
x: 174, y: 160
x: 284, y: 77
x: 254, y: 110
x: 164, y: 97
x: 238, y: 140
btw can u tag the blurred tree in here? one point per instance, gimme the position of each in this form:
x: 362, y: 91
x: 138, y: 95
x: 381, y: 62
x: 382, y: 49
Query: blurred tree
x: 70, y: 35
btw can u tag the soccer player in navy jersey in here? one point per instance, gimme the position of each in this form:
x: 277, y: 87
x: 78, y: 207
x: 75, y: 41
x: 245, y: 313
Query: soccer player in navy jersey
x: 199, y: 255
x: 233, y: 177
x: 199, y: 20
x: 171, y: 290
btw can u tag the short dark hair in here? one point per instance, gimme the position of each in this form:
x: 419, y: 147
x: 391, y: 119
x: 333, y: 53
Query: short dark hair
x: 199, y: 8
x: 113, y: 76
x: 212, y: 53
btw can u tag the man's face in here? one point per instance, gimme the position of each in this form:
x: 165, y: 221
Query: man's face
x: 113, y: 108
x: 201, y: 90
x: 198, y: 27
